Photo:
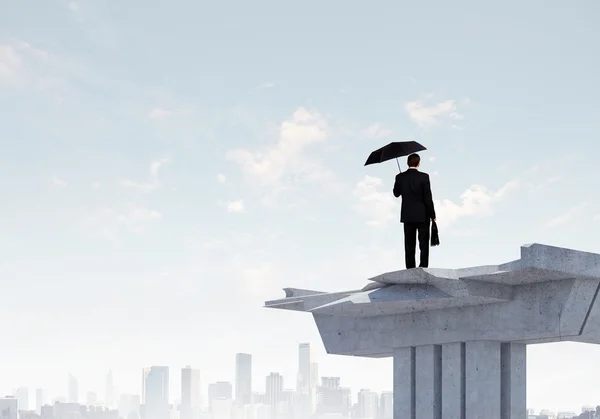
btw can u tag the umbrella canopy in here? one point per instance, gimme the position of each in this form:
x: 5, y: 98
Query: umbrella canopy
x: 393, y: 151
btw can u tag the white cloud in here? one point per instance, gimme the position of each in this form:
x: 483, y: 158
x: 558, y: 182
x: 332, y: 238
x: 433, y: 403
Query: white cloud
x: 235, y: 206
x: 10, y: 65
x: 150, y: 185
x: 379, y: 205
x: 376, y: 130
x: 221, y: 178
x: 16, y: 60
x: 269, y: 165
x: 156, y: 165
x: 96, y: 185
x: 278, y: 171
x: 113, y: 223
x: 574, y: 213
x: 428, y: 116
x: 544, y: 184
x: 58, y: 182
x: 476, y: 200
x: 25, y: 67
x: 376, y: 205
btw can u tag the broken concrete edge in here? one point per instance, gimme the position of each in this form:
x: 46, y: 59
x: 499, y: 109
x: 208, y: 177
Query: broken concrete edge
x: 533, y: 255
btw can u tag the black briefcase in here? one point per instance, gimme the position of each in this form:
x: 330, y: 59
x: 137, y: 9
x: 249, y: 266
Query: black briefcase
x: 435, y: 235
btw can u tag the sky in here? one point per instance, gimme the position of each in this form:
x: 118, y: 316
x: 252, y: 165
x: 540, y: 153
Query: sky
x: 166, y: 167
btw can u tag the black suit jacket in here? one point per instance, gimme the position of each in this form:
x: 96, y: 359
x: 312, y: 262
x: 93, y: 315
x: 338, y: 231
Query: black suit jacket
x: 417, y: 200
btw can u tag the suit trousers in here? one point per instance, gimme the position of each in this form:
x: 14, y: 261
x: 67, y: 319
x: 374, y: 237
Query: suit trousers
x: 411, y: 230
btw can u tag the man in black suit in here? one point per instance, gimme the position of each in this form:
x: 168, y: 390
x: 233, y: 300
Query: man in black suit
x: 417, y: 210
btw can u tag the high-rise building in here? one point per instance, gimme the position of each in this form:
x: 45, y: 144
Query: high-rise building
x: 145, y: 373
x: 274, y: 387
x: 307, y: 378
x: 243, y: 379
x: 314, y: 384
x: 9, y: 408
x: 386, y: 405
x: 219, y: 390
x: 368, y: 404
x: 22, y: 395
x: 157, y: 393
x: 73, y: 389
x: 40, y: 400
x: 332, y: 398
x: 284, y: 407
x: 190, y: 393
x: 109, y: 394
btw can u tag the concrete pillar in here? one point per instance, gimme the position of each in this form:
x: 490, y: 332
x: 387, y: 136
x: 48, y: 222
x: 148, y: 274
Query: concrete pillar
x: 404, y: 382
x: 428, y: 382
x: 453, y: 380
x: 464, y: 380
x: 514, y: 381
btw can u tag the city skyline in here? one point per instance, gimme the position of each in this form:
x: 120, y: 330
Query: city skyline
x: 366, y: 403
x: 259, y: 385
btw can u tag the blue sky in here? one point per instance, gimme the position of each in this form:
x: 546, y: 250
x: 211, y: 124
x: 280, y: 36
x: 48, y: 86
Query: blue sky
x: 165, y: 168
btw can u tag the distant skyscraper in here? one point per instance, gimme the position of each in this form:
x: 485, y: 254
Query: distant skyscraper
x: 109, y: 393
x: 274, y: 387
x: 73, y: 389
x: 386, y: 405
x: 145, y: 373
x: 190, y: 393
x: 368, y: 404
x: 157, y: 393
x: 243, y: 379
x: 220, y: 390
x: 307, y: 377
x: 314, y: 384
x: 332, y: 398
x: 9, y: 408
x: 22, y: 395
x: 40, y: 400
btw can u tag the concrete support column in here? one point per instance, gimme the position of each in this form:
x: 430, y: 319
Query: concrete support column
x: 464, y: 380
x: 514, y: 381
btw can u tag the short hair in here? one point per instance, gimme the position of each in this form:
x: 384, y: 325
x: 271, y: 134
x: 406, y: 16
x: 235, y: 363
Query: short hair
x: 413, y: 160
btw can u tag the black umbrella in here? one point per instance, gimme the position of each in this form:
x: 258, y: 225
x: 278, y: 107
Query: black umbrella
x: 393, y: 151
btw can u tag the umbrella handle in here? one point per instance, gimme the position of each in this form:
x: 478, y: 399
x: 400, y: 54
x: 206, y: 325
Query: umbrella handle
x: 398, y: 163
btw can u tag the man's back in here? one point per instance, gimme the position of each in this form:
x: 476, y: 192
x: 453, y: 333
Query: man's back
x: 417, y: 200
